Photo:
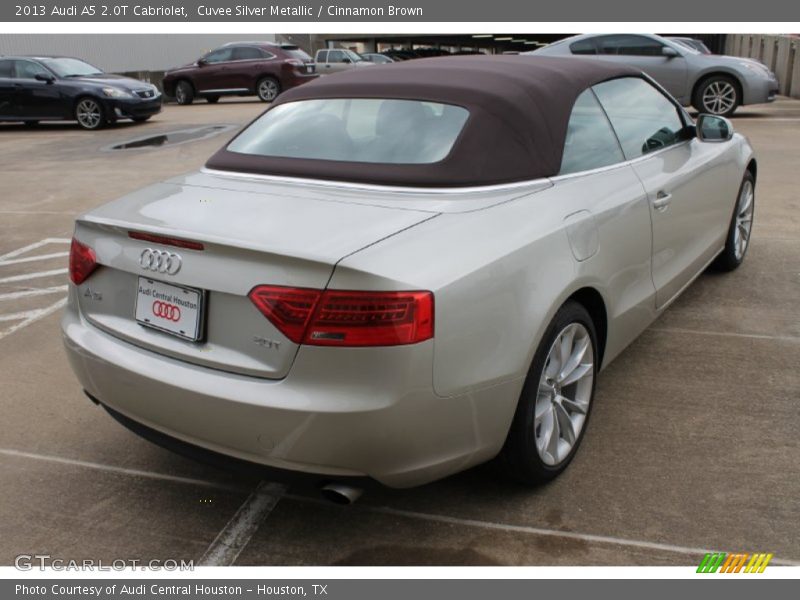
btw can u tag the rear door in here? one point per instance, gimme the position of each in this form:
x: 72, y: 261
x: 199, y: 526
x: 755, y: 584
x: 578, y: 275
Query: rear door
x: 248, y: 62
x: 687, y: 182
x: 645, y: 53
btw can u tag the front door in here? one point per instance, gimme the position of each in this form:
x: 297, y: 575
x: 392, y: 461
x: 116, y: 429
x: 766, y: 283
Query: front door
x: 36, y: 98
x: 214, y: 73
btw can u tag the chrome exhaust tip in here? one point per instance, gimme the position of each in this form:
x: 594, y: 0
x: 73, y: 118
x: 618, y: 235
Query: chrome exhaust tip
x: 340, y: 493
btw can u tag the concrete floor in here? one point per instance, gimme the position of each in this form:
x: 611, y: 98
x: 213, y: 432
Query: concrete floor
x: 693, y: 443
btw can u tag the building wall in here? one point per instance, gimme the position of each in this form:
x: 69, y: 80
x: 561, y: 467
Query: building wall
x: 120, y: 53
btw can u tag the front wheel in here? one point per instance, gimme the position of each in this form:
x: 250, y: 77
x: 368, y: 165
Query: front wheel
x: 718, y: 95
x: 556, y: 399
x: 740, y: 227
x: 89, y: 114
x: 268, y: 89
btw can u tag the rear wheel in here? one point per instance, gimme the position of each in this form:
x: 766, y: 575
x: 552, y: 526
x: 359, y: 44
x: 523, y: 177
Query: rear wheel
x: 556, y: 399
x: 268, y: 89
x: 90, y: 114
x: 184, y: 93
x: 741, y: 226
x: 717, y: 95
x: 212, y: 99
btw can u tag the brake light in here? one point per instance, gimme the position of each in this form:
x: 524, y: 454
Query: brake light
x: 166, y: 241
x: 347, y: 318
x: 82, y: 262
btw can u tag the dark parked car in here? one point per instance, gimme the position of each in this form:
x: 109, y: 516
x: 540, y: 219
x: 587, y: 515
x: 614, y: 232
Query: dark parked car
x: 56, y: 88
x: 263, y: 69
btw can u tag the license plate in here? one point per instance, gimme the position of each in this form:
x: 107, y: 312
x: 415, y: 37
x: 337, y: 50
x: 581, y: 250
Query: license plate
x: 171, y: 308
x: 309, y: 69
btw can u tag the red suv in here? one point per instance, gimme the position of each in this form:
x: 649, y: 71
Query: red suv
x: 263, y: 69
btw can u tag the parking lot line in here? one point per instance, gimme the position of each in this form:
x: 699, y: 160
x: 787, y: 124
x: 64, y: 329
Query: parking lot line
x: 34, y: 316
x: 33, y: 246
x: 37, y: 275
x: 754, y: 336
x: 34, y: 292
x: 261, y: 505
x: 233, y: 538
x: 26, y: 259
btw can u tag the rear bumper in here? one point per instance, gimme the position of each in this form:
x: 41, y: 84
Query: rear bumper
x: 340, y: 412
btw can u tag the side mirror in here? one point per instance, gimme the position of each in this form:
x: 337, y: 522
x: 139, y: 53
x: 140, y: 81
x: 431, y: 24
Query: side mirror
x: 346, y: 60
x: 711, y: 128
x: 669, y: 52
x: 44, y: 77
x: 201, y: 62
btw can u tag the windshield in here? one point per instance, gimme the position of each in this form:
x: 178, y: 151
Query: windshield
x: 71, y: 67
x: 355, y: 130
x: 353, y: 56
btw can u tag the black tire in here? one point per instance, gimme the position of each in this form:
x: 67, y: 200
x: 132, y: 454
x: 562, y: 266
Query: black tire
x: 141, y: 119
x: 520, y: 457
x: 267, y: 89
x: 730, y: 258
x: 212, y: 99
x: 86, y: 106
x: 184, y: 93
x: 704, y: 91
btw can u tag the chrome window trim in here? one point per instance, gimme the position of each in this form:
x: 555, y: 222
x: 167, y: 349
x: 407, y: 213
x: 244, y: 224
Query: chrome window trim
x: 534, y: 184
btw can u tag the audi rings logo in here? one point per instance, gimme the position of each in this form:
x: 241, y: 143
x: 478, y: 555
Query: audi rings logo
x: 160, y: 261
x: 166, y: 311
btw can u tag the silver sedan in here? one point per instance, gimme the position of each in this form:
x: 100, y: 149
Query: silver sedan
x: 402, y: 272
x: 710, y: 83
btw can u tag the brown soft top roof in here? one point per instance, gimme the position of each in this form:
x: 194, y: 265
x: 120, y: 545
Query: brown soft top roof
x: 519, y: 109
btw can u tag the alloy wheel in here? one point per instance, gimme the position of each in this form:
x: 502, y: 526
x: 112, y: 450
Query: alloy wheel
x: 744, y: 219
x: 89, y: 113
x: 719, y: 97
x: 564, y: 394
x: 268, y: 90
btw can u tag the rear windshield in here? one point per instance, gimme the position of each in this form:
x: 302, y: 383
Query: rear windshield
x: 298, y: 53
x: 355, y: 130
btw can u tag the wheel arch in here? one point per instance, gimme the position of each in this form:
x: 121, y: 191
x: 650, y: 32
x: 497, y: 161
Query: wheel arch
x: 719, y: 73
x: 592, y: 300
x: 752, y: 168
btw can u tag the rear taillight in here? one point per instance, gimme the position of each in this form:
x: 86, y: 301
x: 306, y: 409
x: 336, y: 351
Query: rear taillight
x: 294, y: 62
x: 347, y: 318
x: 82, y: 262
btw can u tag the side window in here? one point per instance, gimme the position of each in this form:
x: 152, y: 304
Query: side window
x: 221, y: 55
x: 643, y: 118
x: 322, y: 56
x: 27, y: 69
x: 590, y: 142
x: 583, y: 47
x: 335, y: 56
x: 628, y: 45
x: 247, y: 53
x: 5, y: 69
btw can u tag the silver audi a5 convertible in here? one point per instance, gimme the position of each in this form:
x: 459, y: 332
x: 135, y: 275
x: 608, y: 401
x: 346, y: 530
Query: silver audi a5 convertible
x: 404, y: 271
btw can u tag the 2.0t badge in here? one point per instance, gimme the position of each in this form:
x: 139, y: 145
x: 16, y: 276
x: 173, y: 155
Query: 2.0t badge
x: 160, y: 261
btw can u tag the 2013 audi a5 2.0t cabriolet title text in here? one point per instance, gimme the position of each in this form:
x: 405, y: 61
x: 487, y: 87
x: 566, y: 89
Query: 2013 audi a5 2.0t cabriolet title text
x: 404, y: 271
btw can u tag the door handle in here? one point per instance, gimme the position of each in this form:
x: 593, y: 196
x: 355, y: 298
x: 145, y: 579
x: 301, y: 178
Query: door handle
x: 661, y: 203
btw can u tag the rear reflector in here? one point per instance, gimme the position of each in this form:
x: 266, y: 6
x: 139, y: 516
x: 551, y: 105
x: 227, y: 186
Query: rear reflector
x: 82, y: 262
x: 347, y: 318
x: 166, y: 241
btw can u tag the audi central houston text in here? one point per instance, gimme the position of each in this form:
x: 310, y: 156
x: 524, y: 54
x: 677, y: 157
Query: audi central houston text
x: 404, y: 271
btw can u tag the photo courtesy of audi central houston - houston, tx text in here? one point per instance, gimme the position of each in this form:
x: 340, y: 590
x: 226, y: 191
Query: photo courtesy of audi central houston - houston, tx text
x: 397, y: 296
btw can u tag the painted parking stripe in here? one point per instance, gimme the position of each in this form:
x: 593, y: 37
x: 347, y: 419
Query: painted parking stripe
x: 33, y: 292
x: 27, y: 259
x: 34, y: 316
x: 752, y: 336
x: 37, y: 275
x: 34, y: 246
x: 233, y: 538
x: 600, y: 539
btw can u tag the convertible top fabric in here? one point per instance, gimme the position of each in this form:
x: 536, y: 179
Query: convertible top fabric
x: 519, y: 110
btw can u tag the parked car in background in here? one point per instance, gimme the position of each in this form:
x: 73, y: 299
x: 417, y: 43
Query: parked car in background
x: 711, y: 83
x: 300, y: 321
x: 377, y: 58
x: 692, y: 43
x: 263, y: 69
x: 336, y: 60
x: 57, y: 88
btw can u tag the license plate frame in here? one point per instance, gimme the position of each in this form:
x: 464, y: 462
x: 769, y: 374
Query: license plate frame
x: 174, y: 296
